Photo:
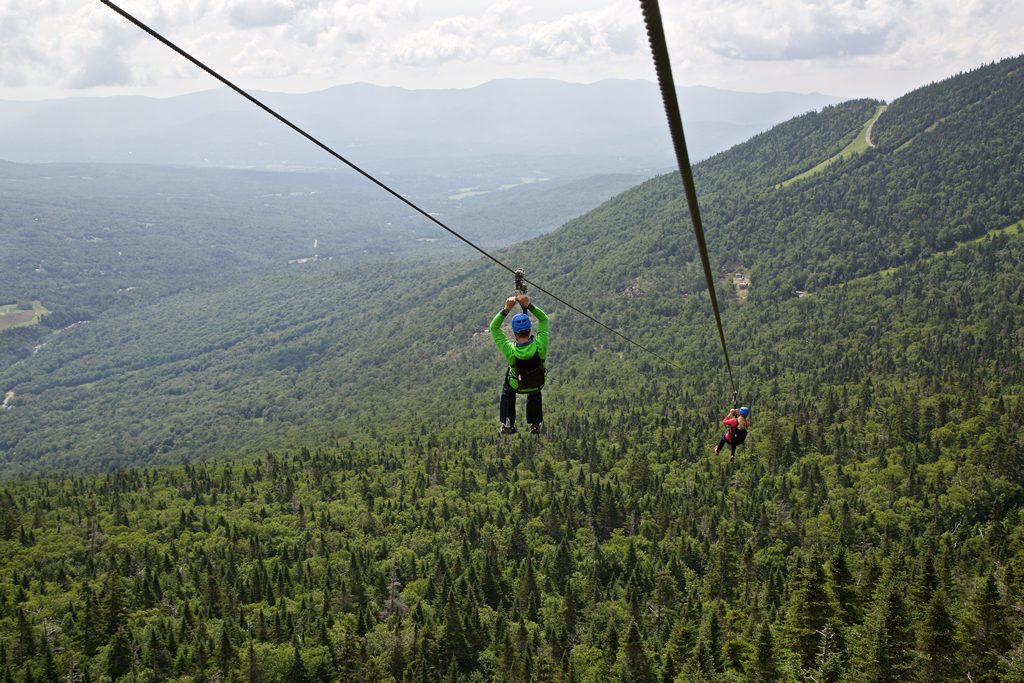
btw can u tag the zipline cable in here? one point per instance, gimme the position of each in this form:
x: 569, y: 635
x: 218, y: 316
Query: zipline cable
x: 369, y: 177
x: 662, y: 64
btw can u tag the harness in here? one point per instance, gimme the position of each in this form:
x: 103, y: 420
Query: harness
x: 528, y: 372
x: 735, y: 435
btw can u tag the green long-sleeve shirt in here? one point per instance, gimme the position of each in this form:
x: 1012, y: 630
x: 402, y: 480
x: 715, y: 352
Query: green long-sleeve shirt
x: 522, y: 350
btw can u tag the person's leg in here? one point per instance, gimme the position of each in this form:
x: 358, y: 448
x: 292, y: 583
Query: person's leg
x: 733, y: 447
x: 507, y: 407
x: 720, y: 444
x: 534, y: 408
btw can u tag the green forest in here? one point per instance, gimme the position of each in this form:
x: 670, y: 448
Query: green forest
x: 91, y: 240
x: 276, y: 474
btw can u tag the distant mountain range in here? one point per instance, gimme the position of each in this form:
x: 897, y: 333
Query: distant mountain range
x: 553, y: 127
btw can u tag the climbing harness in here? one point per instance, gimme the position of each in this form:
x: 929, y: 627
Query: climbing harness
x: 529, y: 372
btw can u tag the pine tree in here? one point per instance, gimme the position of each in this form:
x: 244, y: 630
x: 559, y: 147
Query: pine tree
x: 226, y: 656
x: 887, y: 649
x: 831, y: 656
x: 26, y: 640
x: 297, y: 672
x: 764, y: 667
x: 397, y: 659
x: 569, y: 610
x: 158, y: 657
x: 119, y: 654
x: 610, y: 648
x: 989, y: 632
x: 528, y: 595
x: 561, y: 566
x: 939, y: 656
x: 669, y: 671
x: 683, y: 640
x: 925, y: 585
x: 810, y: 609
x: 49, y: 668
x: 453, y: 645
x: 711, y: 640
x: 844, y: 588
x: 116, y: 610
x: 703, y: 662
x: 636, y: 663
x: 252, y: 667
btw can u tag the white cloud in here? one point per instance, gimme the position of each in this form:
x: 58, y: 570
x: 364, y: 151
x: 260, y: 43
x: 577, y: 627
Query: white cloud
x: 584, y: 35
x: 258, y: 13
x: 792, y: 29
x: 506, y: 12
x: 73, y: 49
x: 325, y: 23
x: 452, y: 38
x: 799, y: 45
x: 876, y: 48
x: 258, y: 60
x: 588, y: 34
x: 884, y: 32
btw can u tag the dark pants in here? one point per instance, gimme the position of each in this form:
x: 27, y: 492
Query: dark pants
x: 534, y: 407
x: 726, y: 441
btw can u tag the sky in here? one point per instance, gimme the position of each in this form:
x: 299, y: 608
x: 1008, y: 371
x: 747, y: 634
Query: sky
x: 847, y: 48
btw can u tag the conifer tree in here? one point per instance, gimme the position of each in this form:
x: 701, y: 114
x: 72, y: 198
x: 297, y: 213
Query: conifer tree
x: 116, y: 610
x: 703, y: 662
x: 989, y: 632
x: 764, y: 667
x: 528, y: 594
x: 610, y: 648
x: 669, y: 671
x: 925, y: 585
x: 711, y: 640
x: 453, y: 645
x: 297, y: 672
x: 843, y: 587
x: 663, y: 600
x: 158, y: 656
x: 119, y: 654
x: 810, y: 609
x: 226, y: 655
x: 886, y: 654
x: 832, y: 659
x: 49, y: 668
x: 636, y: 663
x: 561, y: 566
x: 937, y: 645
x: 26, y: 639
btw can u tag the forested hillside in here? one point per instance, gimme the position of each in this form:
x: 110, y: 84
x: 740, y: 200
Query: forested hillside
x: 91, y: 239
x: 333, y: 501
x: 321, y: 347
x: 870, y: 529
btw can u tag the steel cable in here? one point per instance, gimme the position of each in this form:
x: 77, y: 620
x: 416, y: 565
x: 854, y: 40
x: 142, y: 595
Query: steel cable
x: 663, y: 66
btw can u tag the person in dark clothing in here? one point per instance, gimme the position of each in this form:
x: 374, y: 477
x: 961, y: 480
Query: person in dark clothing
x: 525, y: 356
x: 738, y: 422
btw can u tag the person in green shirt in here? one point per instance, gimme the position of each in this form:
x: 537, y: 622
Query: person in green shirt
x: 525, y: 356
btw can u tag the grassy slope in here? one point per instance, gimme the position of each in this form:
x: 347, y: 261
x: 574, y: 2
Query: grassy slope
x: 857, y: 146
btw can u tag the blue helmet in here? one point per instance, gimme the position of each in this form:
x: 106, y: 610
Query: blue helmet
x: 520, y: 322
x: 744, y: 411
